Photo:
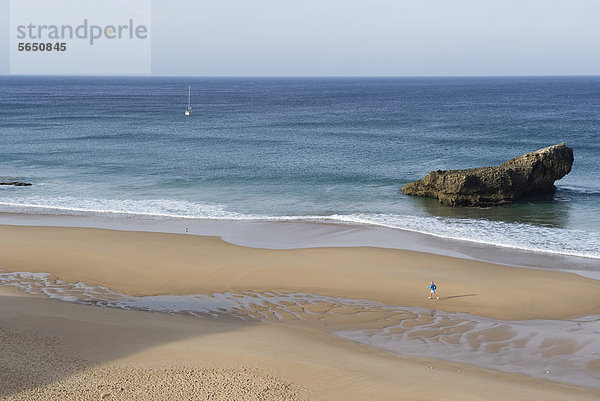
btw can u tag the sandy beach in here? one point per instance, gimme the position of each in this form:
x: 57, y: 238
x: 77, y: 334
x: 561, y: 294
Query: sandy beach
x: 138, y: 263
x: 55, y: 349
x: 237, y: 201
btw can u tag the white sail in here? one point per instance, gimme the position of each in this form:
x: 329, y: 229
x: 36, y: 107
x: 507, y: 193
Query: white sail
x: 188, y: 109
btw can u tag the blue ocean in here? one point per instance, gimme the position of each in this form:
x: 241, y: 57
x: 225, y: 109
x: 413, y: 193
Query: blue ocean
x: 301, y: 149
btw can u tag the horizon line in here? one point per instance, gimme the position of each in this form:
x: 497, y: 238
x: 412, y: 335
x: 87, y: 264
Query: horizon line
x: 300, y: 76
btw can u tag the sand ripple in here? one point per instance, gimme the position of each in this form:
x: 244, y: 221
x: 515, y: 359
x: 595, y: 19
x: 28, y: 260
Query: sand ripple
x: 557, y: 350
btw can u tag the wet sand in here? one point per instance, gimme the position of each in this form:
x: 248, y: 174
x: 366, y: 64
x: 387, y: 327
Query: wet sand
x: 55, y: 349
x: 59, y: 350
x: 316, y: 234
x: 140, y: 263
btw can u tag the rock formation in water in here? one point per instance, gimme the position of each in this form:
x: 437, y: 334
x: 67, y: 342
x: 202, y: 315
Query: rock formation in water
x: 527, y: 175
x: 16, y: 183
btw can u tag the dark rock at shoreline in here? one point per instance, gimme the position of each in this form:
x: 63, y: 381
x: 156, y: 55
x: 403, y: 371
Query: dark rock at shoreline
x: 16, y: 184
x: 527, y: 175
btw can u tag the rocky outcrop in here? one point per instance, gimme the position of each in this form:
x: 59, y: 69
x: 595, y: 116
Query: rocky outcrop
x: 16, y: 183
x: 530, y: 174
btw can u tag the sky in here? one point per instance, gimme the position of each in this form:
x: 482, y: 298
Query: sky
x: 368, y: 37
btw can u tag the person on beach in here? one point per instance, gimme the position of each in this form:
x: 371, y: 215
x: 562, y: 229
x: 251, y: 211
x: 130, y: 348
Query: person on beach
x: 432, y: 289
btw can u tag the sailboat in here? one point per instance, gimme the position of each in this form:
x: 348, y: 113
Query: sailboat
x: 188, y: 109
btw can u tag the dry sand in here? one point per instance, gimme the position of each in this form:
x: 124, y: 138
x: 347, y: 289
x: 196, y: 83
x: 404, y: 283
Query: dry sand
x: 57, y: 350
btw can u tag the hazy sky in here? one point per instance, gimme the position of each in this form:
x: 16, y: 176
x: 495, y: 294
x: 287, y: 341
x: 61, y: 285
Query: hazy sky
x: 369, y: 37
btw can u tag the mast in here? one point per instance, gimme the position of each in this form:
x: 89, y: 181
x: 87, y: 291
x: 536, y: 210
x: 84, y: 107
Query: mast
x: 188, y: 109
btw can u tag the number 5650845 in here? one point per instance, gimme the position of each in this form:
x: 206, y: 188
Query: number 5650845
x: 42, y: 47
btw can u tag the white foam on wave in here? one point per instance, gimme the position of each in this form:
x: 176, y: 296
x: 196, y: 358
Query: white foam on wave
x: 497, y: 233
x: 555, y: 350
x: 125, y: 207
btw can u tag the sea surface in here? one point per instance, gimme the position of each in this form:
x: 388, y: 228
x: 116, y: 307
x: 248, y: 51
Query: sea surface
x: 301, y: 149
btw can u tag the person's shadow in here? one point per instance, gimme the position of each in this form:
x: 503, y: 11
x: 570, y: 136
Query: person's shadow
x: 457, y: 296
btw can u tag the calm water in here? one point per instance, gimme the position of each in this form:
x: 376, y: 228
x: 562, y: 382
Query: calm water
x: 306, y: 149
